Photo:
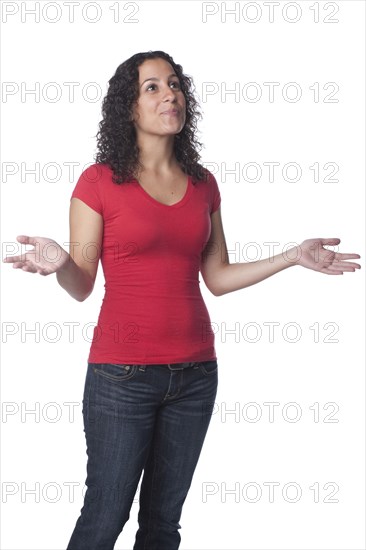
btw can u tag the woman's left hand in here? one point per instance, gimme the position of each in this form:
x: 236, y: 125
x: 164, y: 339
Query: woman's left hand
x: 313, y: 255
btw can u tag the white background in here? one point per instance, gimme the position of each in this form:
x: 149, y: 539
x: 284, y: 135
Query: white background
x: 49, y: 447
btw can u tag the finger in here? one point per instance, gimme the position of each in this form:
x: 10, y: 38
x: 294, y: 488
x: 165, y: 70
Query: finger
x: 330, y: 241
x: 354, y: 265
x: 25, y: 266
x: 29, y: 268
x: 346, y: 256
x: 12, y: 259
x: 26, y: 239
x: 347, y: 269
x: 345, y: 265
x: 334, y: 269
x: 328, y: 271
x: 337, y: 267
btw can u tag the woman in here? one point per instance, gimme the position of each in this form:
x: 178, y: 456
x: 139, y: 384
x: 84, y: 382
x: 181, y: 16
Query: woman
x: 151, y: 213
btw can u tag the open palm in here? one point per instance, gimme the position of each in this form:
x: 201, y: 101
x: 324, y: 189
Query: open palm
x: 315, y: 256
x: 45, y: 258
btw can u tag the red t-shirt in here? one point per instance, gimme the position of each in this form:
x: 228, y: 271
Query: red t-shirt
x: 152, y: 310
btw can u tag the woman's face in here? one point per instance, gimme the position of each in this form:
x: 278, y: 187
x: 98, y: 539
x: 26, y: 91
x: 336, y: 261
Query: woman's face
x: 161, y: 105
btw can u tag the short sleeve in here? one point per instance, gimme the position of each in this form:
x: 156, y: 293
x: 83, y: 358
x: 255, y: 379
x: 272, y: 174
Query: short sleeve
x: 89, y: 186
x: 215, y: 194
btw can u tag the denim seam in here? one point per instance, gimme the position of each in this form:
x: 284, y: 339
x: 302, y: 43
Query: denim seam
x: 116, y: 378
x: 87, y: 405
x: 148, y: 535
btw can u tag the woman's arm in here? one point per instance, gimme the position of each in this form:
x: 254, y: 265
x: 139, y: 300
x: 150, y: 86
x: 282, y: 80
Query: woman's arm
x: 75, y: 271
x: 77, y: 276
x: 221, y: 277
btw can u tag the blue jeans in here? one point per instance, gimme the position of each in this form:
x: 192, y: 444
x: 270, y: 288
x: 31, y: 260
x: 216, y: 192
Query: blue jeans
x: 150, y: 418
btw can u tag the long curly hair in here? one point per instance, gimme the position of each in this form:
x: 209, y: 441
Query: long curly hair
x: 116, y: 139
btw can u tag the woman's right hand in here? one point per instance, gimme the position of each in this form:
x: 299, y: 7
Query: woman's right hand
x: 45, y: 258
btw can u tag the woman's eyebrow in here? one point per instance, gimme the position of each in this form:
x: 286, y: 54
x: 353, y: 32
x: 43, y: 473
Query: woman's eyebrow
x: 154, y: 78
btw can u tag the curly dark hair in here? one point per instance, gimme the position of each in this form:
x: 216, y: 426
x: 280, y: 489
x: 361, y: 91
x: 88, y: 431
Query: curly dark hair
x: 116, y: 139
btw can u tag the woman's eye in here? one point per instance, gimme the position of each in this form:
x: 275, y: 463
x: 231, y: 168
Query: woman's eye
x: 153, y: 86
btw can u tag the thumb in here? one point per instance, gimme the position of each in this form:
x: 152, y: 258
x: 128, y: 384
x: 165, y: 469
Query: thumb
x: 25, y: 239
x: 331, y: 241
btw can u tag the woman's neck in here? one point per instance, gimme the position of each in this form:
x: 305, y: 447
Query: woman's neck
x: 157, y: 155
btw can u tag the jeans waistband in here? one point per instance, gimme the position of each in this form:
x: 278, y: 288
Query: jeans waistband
x: 180, y: 366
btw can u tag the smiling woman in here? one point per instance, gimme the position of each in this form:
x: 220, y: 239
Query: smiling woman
x: 152, y: 373
x: 151, y: 115
x: 160, y: 110
x: 153, y: 353
x: 138, y: 87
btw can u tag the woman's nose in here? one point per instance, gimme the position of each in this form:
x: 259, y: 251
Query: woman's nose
x: 168, y: 93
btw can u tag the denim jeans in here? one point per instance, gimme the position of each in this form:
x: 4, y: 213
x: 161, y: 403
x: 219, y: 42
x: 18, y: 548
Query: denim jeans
x: 141, y: 418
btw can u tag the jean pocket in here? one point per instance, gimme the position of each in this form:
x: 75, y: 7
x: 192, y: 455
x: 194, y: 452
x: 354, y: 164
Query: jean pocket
x: 118, y: 372
x: 209, y: 367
